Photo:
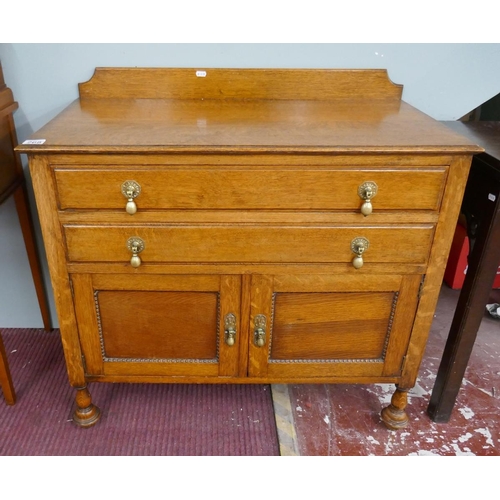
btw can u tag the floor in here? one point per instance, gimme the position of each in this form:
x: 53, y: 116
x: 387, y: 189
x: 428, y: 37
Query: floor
x: 344, y: 420
x: 327, y: 420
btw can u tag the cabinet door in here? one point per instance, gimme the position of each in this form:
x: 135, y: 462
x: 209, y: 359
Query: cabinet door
x: 347, y: 326
x: 149, y: 325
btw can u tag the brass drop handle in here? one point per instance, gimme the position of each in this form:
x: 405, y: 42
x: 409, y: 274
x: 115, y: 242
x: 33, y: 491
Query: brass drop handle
x: 230, y: 329
x: 135, y: 245
x: 358, y: 247
x: 366, y: 192
x: 131, y: 190
x: 259, y: 333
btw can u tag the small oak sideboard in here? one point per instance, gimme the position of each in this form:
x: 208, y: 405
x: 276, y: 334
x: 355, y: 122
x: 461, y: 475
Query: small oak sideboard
x: 246, y: 226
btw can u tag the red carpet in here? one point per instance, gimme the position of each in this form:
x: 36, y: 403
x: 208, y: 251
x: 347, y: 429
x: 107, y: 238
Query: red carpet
x: 137, y: 419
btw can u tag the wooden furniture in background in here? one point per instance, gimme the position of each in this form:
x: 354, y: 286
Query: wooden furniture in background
x: 481, y: 208
x: 12, y: 183
x: 246, y: 226
x: 5, y: 376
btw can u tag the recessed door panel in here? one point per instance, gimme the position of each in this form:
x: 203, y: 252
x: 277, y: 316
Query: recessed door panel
x: 333, y: 325
x: 327, y: 326
x: 158, y: 325
x: 170, y: 325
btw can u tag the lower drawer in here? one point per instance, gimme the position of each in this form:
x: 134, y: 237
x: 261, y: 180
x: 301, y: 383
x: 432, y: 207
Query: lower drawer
x: 248, y: 243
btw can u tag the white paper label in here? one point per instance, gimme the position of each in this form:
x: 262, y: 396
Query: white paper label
x: 201, y: 74
x: 34, y: 141
x: 492, y: 197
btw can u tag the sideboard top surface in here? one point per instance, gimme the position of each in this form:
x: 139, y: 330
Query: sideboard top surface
x: 308, y: 111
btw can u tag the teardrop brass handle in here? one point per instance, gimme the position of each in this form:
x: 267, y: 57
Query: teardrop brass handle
x: 259, y: 333
x: 135, y: 245
x: 131, y: 190
x: 230, y: 329
x: 367, y: 191
x: 358, y: 247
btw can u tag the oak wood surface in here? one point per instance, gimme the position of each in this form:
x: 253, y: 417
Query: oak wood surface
x: 155, y: 110
x: 172, y: 325
x: 46, y: 202
x: 237, y: 83
x: 261, y: 299
x: 329, y: 325
x: 317, y: 325
x: 147, y: 126
x: 263, y: 217
x: 245, y: 268
x: 253, y: 189
x: 252, y: 243
x: 437, y: 263
x: 181, y: 321
x: 86, y: 312
x: 157, y: 373
x: 249, y: 159
x: 248, y: 206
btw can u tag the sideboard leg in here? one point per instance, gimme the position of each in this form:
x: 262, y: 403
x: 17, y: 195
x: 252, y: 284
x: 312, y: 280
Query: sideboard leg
x: 394, y: 415
x: 86, y: 413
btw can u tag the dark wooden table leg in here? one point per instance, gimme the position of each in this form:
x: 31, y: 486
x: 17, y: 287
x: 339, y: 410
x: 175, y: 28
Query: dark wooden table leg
x: 470, y: 310
x: 5, y: 378
x: 22, y: 207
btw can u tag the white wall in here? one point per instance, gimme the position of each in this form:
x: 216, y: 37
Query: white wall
x: 445, y: 81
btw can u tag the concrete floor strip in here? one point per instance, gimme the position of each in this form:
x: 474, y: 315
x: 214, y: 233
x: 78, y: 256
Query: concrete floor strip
x: 284, y: 420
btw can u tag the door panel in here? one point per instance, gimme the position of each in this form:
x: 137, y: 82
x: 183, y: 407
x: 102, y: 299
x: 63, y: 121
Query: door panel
x: 332, y: 326
x: 304, y: 322
x: 174, y: 324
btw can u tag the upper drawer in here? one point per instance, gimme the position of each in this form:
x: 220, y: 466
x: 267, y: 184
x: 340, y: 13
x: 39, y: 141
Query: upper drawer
x: 248, y: 243
x: 252, y: 188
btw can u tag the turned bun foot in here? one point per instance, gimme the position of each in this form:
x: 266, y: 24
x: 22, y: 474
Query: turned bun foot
x: 394, y: 415
x: 86, y: 413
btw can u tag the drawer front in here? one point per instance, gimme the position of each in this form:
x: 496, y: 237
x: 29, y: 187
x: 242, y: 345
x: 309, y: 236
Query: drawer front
x: 256, y: 188
x: 249, y: 243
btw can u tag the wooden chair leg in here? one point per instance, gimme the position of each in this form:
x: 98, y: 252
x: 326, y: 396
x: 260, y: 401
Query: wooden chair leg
x: 22, y: 206
x: 5, y: 378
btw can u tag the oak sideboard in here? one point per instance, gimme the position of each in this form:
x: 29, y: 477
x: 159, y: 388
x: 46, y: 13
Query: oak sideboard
x: 246, y: 226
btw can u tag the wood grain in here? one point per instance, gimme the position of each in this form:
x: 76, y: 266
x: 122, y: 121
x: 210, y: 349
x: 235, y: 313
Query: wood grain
x: 45, y: 196
x: 309, y: 326
x: 437, y: 264
x: 150, y: 110
x: 172, y: 325
x: 248, y: 206
x: 253, y: 189
x: 235, y: 127
x: 217, y: 83
x: 337, y: 324
x: 199, y: 243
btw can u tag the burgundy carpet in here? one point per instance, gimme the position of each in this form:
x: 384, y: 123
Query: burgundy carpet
x: 137, y: 419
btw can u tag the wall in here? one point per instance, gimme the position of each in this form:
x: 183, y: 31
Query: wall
x: 445, y: 81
